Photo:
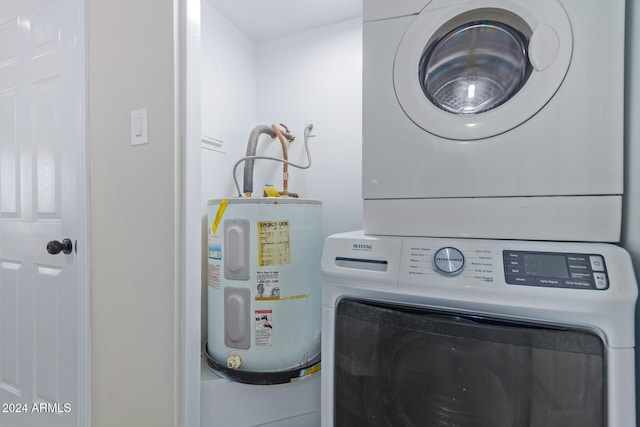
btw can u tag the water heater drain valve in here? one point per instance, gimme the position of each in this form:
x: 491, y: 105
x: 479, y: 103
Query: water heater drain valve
x: 234, y: 361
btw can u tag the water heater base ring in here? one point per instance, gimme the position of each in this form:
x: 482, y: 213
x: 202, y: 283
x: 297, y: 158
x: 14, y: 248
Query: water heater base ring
x: 263, y: 378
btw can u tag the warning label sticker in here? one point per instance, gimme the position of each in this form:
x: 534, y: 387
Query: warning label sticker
x: 214, y: 275
x: 268, y: 286
x: 264, y: 328
x: 273, y: 243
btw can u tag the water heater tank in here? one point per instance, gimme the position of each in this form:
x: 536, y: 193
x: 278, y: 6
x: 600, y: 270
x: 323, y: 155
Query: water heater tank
x: 264, y: 288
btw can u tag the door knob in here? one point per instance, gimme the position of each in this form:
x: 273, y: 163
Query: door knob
x: 54, y: 247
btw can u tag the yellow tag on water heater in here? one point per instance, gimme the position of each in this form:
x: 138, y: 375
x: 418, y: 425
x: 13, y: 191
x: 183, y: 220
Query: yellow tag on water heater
x: 218, y: 218
x: 271, y: 191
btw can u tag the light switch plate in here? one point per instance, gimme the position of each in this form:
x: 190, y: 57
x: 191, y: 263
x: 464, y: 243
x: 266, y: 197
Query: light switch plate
x: 139, y: 127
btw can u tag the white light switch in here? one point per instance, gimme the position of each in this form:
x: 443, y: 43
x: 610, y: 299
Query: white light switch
x: 139, y: 127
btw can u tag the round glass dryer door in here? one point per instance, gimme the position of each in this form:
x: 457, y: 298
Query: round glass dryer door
x: 477, y: 69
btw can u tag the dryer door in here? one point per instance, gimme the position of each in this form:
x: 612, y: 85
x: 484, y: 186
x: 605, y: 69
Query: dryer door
x: 475, y: 67
x: 481, y: 68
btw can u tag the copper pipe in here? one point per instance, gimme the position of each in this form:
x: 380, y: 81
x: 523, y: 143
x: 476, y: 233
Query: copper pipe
x: 285, y: 156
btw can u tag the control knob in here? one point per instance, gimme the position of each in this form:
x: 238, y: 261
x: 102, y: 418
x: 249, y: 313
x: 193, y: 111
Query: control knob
x: 448, y: 261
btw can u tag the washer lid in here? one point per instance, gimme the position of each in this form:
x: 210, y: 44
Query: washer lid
x: 480, y: 68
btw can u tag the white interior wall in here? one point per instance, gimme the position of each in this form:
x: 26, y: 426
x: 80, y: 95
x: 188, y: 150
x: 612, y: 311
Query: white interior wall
x: 317, y: 76
x: 135, y: 244
x: 228, y: 63
x: 312, y: 76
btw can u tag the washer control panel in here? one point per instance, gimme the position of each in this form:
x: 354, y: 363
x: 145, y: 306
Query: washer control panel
x: 557, y: 270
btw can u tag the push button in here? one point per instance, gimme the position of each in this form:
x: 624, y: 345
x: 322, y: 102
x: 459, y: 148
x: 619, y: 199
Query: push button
x: 520, y: 280
x: 601, y: 280
x: 549, y: 281
x: 513, y: 263
x: 515, y: 270
x: 597, y: 263
x: 512, y: 255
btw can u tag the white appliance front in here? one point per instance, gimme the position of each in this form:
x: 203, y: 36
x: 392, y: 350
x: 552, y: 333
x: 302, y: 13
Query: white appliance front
x: 480, y: 109
x: 423, y: 331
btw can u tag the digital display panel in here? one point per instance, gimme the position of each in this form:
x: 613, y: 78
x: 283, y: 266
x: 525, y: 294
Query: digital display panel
x: 545, y: 265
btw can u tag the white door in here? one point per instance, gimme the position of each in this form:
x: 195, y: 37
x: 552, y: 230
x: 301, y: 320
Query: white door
x: 43, y: 298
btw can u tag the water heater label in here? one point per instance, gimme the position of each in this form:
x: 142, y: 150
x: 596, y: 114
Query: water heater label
x: 268, y: 286
x: 273, y: 243
x: 264, y: 328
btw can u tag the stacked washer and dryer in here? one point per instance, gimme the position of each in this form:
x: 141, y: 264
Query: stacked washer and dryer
x: 485, y: 289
